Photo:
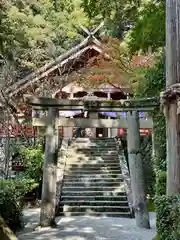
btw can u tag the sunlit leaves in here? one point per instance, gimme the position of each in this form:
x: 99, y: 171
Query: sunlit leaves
x: 149, y: 29
x: 117, y: 14
x: 29, y: 30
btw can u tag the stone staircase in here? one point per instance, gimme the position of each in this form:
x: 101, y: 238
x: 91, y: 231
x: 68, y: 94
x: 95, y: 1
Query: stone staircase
x: 92, y: 181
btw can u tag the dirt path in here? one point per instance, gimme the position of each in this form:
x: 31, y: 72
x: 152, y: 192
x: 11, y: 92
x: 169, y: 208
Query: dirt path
x: 86, y: 228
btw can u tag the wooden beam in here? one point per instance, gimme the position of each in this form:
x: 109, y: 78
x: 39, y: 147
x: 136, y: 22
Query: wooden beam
x: 86, y: 123
x: 94, y: 105
x: 100, y: 109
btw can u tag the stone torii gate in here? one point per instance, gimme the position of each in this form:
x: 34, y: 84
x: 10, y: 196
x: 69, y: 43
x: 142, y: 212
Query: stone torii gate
x: 52, y: 121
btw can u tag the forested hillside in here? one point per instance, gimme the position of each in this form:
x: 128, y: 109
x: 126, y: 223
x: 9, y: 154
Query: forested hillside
x: 34, y: 32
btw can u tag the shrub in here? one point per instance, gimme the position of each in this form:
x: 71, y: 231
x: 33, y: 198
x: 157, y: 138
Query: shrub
x: 148, y: 168
x: 168, y: 217
x: 10, y: 207
x: 156, y: 237
x: 11, y: 193
x: 33, y: 158
x: 161, y: 183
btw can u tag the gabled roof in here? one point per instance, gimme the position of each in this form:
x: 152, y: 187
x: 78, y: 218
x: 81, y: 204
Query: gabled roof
x: 73, y: 87
x: 89, y: 43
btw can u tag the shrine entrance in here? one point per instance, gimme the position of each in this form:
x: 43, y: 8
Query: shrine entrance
x: 101, y: 133
x: 87, y: 128
x: 51, y: 121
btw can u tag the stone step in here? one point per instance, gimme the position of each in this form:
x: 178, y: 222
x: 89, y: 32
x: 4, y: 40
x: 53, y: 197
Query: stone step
x: 88, y: 208
x: 86, y: 159
x: 92, y: 188
x: 105, y: 214
x: 91, y: 171
x: 105, y: 158
x: 95, y: 180
x: 92, y: 178
x: 91, y: 140
x: 101, y: 147
x: 82, y: 170
x: 89, y: 156
x: 90, y: 193
x: 102, y: 140
x: 83, y: 159
x: 94, y: 203
x: 120, y: 197
x: 104, y: 147
x: 92, y: 184
x: 96, y: 147
x: 93, y: 152
x: 92, y: 164
x: 92, y: 175
x: 93, y: 143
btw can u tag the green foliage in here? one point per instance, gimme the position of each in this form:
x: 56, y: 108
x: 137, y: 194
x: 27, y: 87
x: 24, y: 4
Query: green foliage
x: 149, y: 176
x: 161, y: 183
x: 150, y: 205
x: 156, y: 237
x: 34, y: 32
x: 33, y: 159
x: 146, y: 32
x: 11, y: 193
x: 10, y: 208
x: 153, y: 79
x: 168, y: 217
x: 151, y: 84
x: 117, y: 14
x: 159, y: 140
x: 146, y: 151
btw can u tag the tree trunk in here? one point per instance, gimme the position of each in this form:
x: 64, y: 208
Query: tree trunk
x: 172, y: 77
x: 48, y: 204
x: 173, y: 150
x: 136, y: 172
x: 7, y: 147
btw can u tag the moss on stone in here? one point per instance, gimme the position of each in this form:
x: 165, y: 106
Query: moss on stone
x: 5, y: 232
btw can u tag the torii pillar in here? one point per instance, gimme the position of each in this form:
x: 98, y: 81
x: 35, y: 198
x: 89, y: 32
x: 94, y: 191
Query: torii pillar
x: 136, y: 171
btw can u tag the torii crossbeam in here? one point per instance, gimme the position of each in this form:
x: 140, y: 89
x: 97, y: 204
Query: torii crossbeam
x: 91, y: 106
x: 127, y: 105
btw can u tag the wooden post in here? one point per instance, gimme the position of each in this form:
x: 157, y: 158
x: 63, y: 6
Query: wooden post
x: 7, y: 147
x: 48, y: 204
x: 172, y: 77
x: 136, y: 171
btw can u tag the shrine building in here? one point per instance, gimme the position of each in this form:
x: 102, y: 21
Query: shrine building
x: 84, y: 72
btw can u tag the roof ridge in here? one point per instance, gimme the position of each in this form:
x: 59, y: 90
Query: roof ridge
x: 49, y: 65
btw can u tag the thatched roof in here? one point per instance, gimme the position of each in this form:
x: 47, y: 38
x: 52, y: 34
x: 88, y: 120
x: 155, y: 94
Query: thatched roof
x: 89, y: 43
